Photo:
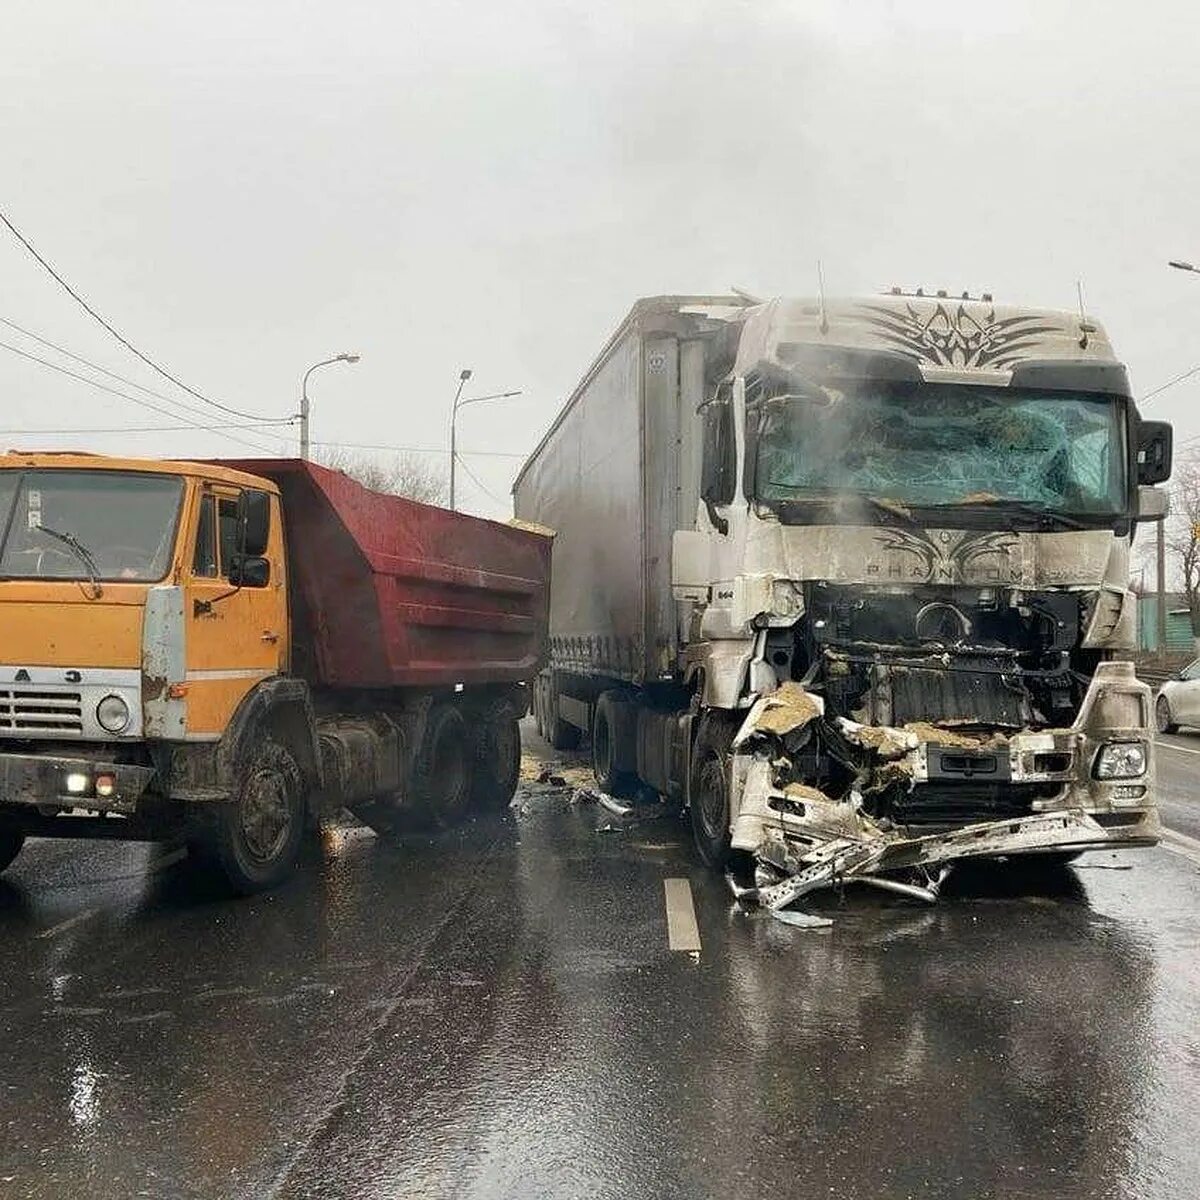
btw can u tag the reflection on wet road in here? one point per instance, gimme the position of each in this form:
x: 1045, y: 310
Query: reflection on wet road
x: 497, y: 1012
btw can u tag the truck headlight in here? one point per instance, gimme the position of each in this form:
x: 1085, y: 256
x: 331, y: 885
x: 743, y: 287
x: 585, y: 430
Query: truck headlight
x: 113, y: 714
x: 1121, y: 760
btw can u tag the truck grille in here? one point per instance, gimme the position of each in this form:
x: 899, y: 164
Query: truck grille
x: 29, y: 711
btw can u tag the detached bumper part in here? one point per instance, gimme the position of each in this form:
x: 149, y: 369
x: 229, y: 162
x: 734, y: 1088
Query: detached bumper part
x: 41, y: 781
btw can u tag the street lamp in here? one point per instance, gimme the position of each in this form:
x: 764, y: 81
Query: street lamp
x: 1183, y: 266
x: 459, y: 402
x: 325, y: 362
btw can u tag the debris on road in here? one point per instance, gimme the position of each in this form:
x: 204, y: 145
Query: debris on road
x: 801, y: 920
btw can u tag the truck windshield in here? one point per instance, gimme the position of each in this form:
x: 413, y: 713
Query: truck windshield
x: 938, y: 445
x: 87, y: 524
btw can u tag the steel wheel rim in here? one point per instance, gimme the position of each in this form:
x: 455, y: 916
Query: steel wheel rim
x: 265, y: 815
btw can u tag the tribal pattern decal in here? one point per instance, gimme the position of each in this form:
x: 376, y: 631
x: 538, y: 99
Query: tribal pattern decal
x: 948, y: 556
x: 956, y: 338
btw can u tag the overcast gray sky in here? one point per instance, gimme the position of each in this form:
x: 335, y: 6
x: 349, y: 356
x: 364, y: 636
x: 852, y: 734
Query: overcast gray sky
x: 244, y: 188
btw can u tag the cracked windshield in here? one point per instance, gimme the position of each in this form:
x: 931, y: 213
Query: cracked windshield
x: 77, y: 525
x: 941, y: 444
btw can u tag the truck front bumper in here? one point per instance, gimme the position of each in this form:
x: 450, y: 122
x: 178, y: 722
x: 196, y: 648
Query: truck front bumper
x: 50, y: 783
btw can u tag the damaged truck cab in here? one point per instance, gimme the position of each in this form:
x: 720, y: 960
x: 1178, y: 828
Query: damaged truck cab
x: 897, y: 618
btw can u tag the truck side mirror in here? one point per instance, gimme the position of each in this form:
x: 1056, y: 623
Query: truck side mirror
x: 718, y: 469
x: 1155, y: 440
x: 254, y: 520
x: 250, y: 571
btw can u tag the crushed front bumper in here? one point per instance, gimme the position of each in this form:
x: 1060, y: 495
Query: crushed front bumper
x: 803, y: 839
x: 39, y: 781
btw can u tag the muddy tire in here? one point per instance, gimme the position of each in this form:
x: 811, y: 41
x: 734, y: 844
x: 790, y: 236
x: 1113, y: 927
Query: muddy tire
x: 1162, y: 716
x: 442, y: 772
x: 10, y: 846
x: 255, y: 837
x: 497, y: 754
x: 708, y: 790
x: 606, y: 727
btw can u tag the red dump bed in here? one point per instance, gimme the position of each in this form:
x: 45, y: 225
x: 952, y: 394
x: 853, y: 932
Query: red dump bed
x: 387, y: 592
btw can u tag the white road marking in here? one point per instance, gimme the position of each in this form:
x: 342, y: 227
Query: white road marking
x: 1172, y: 746
x: 70, y: 921
x: 1181, y: 844
x: 682, y: 931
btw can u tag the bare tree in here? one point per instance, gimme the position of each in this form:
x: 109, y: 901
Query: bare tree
x: 417, y: 476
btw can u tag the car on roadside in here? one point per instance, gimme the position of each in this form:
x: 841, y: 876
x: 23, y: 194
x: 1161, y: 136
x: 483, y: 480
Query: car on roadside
x: 1178, y: 700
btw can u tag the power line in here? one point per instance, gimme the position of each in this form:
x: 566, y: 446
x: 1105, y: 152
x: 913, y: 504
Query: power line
x: 103, y: 387
x: 1170, y: 383
x: 483, y: 487
x: 120, y: 337
x: 132, y: 429
x: 419, y: 449
x: 182, y: 405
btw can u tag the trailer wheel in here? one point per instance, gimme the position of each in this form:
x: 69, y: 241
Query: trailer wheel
x: 605, y: 734
x: 441, y: 774
x: 255, y: 837
x: 709, y: 790
x: 497, y: 765
x: 10, y: 846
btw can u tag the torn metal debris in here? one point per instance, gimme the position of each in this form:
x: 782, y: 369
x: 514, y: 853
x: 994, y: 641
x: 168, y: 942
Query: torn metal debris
x: 824, y: 802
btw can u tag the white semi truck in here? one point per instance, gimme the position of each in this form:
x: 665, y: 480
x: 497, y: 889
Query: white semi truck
x: 849, y: 580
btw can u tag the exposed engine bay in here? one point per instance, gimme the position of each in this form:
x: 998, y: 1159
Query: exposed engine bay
x: 918, y: 725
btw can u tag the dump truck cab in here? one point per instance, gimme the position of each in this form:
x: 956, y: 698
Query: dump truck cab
x: 147, y: 681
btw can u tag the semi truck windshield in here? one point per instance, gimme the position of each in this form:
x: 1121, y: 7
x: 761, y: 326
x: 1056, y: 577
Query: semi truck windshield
x: 107, y: 525
x: 942, y: 444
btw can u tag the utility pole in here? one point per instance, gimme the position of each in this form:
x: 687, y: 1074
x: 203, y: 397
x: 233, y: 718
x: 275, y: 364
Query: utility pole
x: 337, y: 358
x: 463, y: 376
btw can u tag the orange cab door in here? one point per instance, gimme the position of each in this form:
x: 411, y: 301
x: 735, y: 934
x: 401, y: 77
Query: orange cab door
x: 236, y: 628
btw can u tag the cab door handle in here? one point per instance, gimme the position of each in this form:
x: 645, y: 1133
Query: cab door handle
x: 269, y: 636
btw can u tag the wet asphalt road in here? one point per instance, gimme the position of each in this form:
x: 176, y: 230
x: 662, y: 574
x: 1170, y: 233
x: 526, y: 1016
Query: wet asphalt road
x: 496, y: 1013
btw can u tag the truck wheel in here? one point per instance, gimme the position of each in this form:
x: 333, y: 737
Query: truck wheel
x: 497, y: 765
x: 258, y: 833
x: 10, y: 846
x: 441, y: 774
x: 605, y: 746
x: 709, y: 790
x: 1162, y: 716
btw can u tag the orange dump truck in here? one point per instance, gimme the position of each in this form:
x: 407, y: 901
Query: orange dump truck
x: 226, y: 652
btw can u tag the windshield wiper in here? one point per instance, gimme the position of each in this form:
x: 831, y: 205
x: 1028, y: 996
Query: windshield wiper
x: 1024, y: 508
x: 81, y: 552
x: 895, y: 512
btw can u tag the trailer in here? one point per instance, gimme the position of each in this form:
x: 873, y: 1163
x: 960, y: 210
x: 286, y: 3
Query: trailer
x: 229, y: 652
x: 848, y: 580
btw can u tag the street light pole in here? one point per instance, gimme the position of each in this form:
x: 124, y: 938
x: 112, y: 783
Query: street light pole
x: 325, y: 362
x: 463, y: 376
x: 461, y: 403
